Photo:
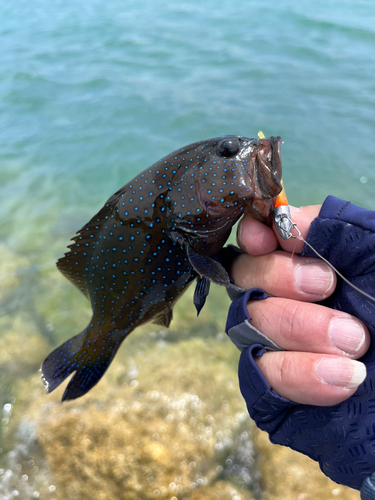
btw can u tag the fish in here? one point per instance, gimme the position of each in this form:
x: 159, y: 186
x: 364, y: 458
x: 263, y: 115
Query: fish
x: 157, y: 234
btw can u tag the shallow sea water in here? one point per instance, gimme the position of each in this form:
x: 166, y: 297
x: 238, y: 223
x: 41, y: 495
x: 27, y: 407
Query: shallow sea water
x: 91, y: 93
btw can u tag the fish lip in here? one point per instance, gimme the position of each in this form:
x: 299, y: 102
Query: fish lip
x: 268, y: 163
x: 269, y: 166
x: 276, y: 166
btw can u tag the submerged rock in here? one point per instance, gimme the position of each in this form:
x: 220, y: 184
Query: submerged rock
x: 168, y: 432
x: 167, y: 422
x: 11, y: 268
x: 21, y: 345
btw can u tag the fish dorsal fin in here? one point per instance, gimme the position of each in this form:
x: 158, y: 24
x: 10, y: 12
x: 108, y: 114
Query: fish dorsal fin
x: 164, y: 319
x: 74, y: 264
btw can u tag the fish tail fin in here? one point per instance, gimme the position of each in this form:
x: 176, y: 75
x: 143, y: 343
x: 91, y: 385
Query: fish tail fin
x: 88, y: 355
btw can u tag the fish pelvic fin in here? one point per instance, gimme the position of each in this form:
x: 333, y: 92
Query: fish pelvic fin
x: 202, y: 289
x: 208, y: 268
x: 87, y: 355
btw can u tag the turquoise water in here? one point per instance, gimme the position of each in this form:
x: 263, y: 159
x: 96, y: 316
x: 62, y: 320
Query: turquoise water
x: 93, y: 92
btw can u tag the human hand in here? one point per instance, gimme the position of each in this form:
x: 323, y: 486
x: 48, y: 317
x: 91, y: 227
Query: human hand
x: 321, y: 345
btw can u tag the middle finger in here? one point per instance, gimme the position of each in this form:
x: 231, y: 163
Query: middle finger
x: 281, y: 275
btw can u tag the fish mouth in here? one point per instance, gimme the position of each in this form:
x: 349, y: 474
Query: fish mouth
x: 268, y: 165
x: 269, y: 170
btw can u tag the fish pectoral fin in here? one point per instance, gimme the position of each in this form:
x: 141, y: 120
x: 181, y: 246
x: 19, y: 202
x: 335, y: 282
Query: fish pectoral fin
x: 201, y: 291
x: 164, y: 319
x: 88, y: 355
x: 176, y: 237
x: 208, y: 268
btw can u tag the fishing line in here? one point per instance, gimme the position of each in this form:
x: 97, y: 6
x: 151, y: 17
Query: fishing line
x: 286, y: 221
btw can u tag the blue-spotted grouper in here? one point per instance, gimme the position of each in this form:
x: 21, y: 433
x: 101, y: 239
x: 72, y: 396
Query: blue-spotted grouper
x: 152, y: 238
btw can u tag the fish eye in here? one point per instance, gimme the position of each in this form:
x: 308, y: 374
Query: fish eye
x: 227, y: 148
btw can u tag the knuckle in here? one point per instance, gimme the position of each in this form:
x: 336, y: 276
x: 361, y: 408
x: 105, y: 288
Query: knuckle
x: 268, y: 271
x: 293, y: 316
x: 283, y: 372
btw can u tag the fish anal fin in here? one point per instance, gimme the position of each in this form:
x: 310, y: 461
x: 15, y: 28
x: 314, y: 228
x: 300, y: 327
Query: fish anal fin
x: 164, y: 319
x: 87, y: 355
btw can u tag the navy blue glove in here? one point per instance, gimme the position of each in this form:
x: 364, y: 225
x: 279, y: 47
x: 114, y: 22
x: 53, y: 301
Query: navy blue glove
x: 341, y: 437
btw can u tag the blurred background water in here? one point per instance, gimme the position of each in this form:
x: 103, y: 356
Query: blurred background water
x: 91, y: 93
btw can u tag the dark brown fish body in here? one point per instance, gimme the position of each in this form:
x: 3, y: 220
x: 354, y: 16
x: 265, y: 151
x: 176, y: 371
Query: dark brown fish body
x: 136, y: 257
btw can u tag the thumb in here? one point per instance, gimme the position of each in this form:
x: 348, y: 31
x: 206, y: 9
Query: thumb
x: 302, y: 217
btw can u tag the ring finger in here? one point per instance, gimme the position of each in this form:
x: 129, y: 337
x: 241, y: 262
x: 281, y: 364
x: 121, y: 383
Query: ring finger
x: 324, y: 330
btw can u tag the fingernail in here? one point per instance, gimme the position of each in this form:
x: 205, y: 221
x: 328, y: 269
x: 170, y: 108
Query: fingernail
x: 315, y: 278
x: 346, y: 334
x: 341, y: 372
